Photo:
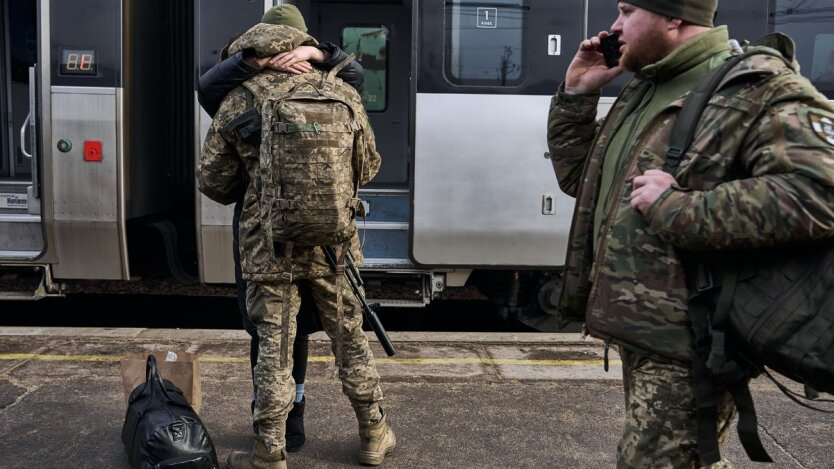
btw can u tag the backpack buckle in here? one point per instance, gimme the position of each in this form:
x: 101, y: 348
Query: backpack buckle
x: 703, y: 279
x: 317, y: 127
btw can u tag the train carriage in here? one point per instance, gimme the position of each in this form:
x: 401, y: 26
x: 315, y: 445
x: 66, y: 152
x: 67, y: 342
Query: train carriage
x: 102, y: 130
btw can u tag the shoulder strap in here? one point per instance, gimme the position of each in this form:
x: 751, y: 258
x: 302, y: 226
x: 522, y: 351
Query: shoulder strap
x: 330, y: 79
x: 710, y: 367
x: 694, y: 105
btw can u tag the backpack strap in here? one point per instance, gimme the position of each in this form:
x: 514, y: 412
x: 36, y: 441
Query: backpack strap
x: 329, y: 80
x: 247, y: 126
x: 710, y: 364
x: 693, y: 106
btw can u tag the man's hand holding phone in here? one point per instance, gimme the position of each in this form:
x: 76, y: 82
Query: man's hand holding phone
x: 589, y: 70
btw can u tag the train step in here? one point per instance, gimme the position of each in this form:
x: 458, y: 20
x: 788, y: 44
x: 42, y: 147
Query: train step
x: 399, y: 303
x: 27, y: 283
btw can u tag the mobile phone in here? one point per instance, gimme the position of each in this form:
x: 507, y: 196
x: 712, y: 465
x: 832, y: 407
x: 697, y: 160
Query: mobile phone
x: 610, y: 48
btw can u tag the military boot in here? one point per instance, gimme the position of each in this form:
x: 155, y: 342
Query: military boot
x: 295, y: 426
x: 377, y: 441
x: 258, y: 458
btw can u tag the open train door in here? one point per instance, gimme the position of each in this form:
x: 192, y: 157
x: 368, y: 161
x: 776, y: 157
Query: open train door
x: 379, y: 34
x: 25, y: 227
x: 217, y: 21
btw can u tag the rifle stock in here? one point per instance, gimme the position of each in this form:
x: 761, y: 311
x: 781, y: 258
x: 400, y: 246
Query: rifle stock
x: 355, y: 282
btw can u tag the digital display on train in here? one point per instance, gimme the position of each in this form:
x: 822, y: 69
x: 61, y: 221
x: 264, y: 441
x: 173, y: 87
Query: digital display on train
x: 78, y: 62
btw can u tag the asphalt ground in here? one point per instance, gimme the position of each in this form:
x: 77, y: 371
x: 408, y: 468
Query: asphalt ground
x: 481, y: 400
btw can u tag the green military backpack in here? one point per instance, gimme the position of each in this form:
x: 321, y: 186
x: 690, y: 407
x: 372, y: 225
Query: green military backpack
x: 309, y: 180
x: 753, y: 310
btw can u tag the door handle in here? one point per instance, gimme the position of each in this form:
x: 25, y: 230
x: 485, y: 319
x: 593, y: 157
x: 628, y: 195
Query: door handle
x: 23, y: 136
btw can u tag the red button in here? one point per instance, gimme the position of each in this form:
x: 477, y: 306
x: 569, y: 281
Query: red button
x: 92, y: 150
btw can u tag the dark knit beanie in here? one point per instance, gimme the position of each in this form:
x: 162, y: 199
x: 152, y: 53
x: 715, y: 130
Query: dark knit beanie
x: 286, y: 15
x: 701, y: 12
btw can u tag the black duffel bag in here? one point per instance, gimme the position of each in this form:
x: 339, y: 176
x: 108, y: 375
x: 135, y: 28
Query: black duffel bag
x: 161, y: 429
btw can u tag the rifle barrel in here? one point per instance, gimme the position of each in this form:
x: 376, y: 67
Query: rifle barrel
x: 355, y: 282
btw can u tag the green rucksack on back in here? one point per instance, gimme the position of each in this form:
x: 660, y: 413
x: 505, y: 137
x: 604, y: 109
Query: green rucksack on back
x: 309, y: 173
x: 755, y: 309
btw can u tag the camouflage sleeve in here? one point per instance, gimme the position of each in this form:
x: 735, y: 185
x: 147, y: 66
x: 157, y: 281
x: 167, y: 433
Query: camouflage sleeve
x: 218, y: 174
x: 571, y: 128
x: 788, y: 198
x: 366, y: 148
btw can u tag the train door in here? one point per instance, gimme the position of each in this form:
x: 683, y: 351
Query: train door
x: 21, y: 227
x: 484, y: 190
x: 379, y: 34
x: 217, y: 21
x: 83, y: 151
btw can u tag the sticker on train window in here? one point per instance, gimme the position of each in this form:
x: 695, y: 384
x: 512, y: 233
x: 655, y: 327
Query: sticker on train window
x: 487, y: 18
x: 19, y: 201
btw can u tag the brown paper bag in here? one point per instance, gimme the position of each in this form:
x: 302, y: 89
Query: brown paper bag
x: 184, y: 373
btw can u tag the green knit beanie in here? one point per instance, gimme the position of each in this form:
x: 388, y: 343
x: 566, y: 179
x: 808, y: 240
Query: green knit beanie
x: 285, y: 14
x: 701, y: 12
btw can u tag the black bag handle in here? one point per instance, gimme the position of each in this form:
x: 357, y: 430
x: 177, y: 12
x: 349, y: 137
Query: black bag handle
x: 153, y: 378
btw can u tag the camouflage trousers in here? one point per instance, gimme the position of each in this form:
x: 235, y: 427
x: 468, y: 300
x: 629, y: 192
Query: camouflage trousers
x: 272, y: 308
x: 660, y: 425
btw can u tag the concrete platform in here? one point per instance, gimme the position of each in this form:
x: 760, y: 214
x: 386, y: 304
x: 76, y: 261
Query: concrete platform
x: 455, y: 401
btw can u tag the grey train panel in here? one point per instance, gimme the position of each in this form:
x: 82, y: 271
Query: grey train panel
x: 87, y: 197
x: 478, y: 194
x: 85, y: 190
x: 217, y: 264
x: 88, y: 250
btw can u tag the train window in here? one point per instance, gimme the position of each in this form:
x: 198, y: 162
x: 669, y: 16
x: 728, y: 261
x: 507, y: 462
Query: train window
x: 822, y: 64
x: 370, y: 46
x: 809, y: 24
x: 484, y: 42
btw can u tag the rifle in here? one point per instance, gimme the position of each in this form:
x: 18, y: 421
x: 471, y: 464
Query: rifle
x: 355, y: 282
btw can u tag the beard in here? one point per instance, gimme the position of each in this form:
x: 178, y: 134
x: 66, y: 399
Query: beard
x: 649, y: 49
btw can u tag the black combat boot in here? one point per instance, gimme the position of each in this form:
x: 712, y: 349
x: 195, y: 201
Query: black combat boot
x: 295, y: 426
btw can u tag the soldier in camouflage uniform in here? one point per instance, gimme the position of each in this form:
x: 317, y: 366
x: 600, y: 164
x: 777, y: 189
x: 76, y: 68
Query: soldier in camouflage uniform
x: 760, y: 172
x: 275, y: 274
x: 212, y: 87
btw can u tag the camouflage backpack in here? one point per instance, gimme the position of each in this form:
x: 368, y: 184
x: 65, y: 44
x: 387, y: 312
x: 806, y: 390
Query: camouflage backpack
x: 309, y: 180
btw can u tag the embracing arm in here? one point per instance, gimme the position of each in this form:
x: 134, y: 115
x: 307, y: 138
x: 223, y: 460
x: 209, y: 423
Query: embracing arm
x: 223, y: 77
x: 788, y: 197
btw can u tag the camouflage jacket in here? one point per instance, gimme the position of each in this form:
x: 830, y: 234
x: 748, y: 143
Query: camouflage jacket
x: 760, y: 172
x: 224, y: 154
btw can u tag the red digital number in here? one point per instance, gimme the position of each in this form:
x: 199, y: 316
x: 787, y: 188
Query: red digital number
x: 86, y: 62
